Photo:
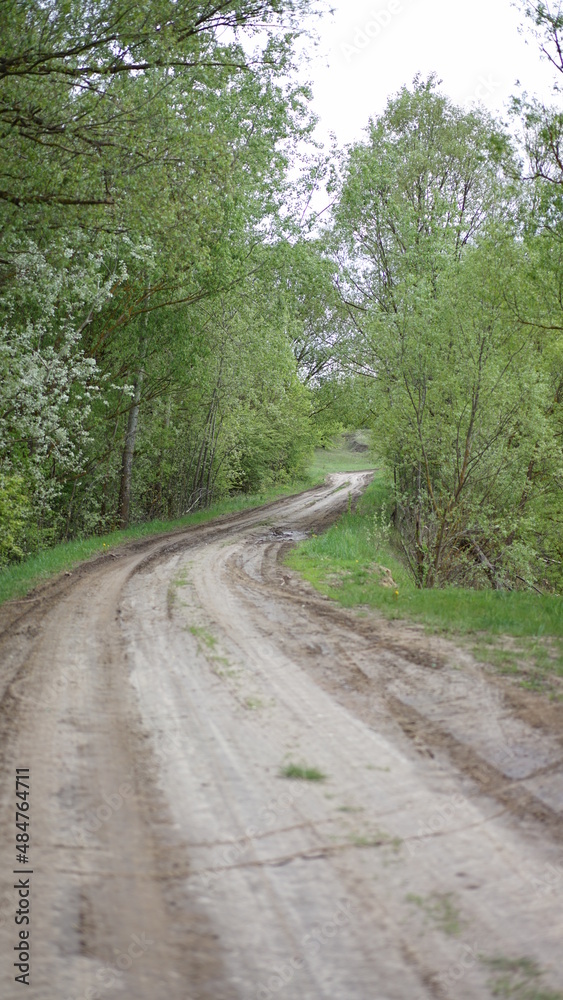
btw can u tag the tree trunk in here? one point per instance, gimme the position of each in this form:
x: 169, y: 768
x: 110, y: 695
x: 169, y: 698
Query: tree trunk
x: 132, y: 424
x: 128, y: 451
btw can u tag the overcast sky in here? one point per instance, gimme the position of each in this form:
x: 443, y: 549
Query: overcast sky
x: 368, y: 50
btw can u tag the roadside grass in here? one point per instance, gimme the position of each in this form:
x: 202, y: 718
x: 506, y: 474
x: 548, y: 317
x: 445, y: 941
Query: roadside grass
x: 299, y: 773
x: 348, y: 563
x: 537, y: 662
x: 20, y: 578
x: 340, y: 456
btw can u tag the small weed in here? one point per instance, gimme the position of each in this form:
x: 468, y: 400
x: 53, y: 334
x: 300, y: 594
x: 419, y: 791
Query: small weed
x: 439, y: 908
x: 172, y: 591
x: 253, y: 703
x: 377, y: 839
x: 222, y: 667
x: 518, y: 979
x: 295, y: 771
x: 204, y: 636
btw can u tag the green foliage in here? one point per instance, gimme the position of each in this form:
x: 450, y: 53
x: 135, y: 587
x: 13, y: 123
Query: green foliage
x: 141, y: 376
x: 83, y: 87
x: 168, y: 337
x: 461, y: 391
x: 14, y: 512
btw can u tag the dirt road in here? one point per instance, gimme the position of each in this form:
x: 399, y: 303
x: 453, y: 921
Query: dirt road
x: 156, y: 697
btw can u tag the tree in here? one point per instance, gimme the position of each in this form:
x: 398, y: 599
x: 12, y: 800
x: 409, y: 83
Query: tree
x: 142, y: 152
x: 49, y: 384
x: 234, y: 416
x: 417, y: 191
x: 69, y: 82
x: 425, y: 218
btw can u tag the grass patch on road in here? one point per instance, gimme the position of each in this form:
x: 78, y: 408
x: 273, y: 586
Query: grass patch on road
x: 354, y: 563
x: 440, y: 908
x: 299, y: 773
x: 518, y: 978
x: 204, y: 636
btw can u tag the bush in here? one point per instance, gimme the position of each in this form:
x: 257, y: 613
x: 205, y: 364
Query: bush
x: 14, y: 510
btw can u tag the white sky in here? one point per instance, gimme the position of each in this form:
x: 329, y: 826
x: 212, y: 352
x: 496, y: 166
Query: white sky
x: 473, y: 45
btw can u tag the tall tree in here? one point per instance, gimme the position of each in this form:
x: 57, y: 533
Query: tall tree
x: 426, y: 215
x: 142, y: 153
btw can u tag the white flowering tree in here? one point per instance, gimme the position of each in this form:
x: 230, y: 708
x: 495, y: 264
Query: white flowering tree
x: 47, y: 382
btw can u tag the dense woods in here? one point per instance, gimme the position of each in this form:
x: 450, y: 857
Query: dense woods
x: 173, y: 327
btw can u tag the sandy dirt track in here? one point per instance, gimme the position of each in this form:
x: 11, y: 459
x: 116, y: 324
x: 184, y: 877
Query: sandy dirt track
x: 157, y: 694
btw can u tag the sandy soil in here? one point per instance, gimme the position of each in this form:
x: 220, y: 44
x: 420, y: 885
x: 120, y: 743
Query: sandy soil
x: 156, y: 696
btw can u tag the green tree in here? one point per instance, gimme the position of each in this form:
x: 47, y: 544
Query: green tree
x: 79, y: 83
x: 142, y: 157
x: 425, y: 222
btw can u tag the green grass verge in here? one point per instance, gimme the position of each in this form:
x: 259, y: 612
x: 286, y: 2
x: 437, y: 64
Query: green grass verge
x: 19, y: 579
x: 346, y: 563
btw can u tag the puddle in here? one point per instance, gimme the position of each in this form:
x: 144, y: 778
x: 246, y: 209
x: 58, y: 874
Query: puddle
x: 282, y: 535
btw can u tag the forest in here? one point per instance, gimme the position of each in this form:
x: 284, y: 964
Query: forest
x: 179, y: 322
